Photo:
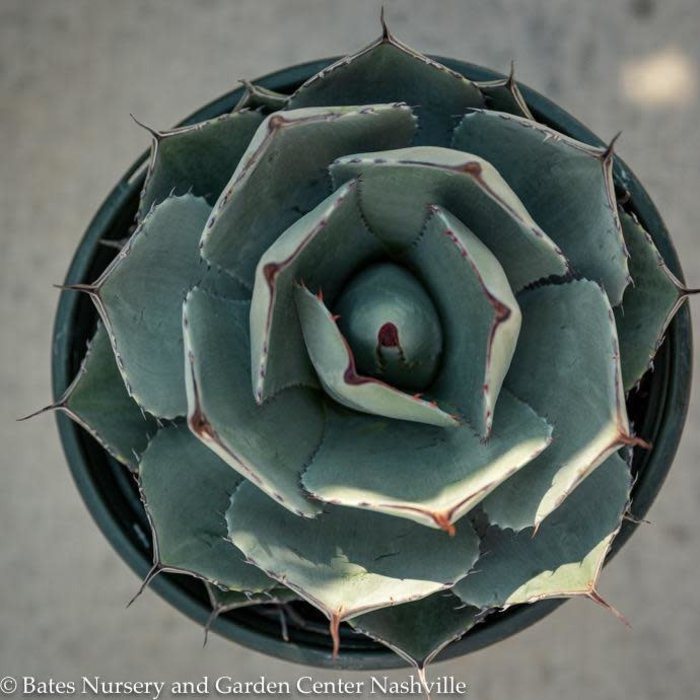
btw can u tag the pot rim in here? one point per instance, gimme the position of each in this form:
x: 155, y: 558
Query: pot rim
x: 670, y: 381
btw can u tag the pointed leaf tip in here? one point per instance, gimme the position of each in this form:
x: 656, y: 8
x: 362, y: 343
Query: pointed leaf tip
x: 564, y: 185
x: 97, y: 399
x: 386, y: 34
x: 34, y: 414
x: 346, y: 562
x: 565, y: 556
x: 185, y: 490
x: 370, y: 76
x: 567, y: 367
x: 142, y: 310
x: 157, y: 135
x: 609, y: 151
x: 420, y: 630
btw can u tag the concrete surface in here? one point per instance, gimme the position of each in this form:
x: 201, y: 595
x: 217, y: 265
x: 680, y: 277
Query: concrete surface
x: 70, y: 73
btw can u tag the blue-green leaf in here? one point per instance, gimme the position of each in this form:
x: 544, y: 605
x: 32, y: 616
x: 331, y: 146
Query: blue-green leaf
x: 427, y: 474
x: 333, y: 361
x: 397, y: 188
x: 389, y: 71
x: 322, y: 249
x: 563, y: 557
x: 258, y: 97
x: 347, y: 562
x: 503, y: 95
x: 283, y: 175
x: 223, y: 601
x: 481, y: 318
x: 391, y: 325
x: 419, y: 631
x: 649, y: 304
x: 139, y: 297
x: 197, y: 159
x: 268, y: 444
x: 567, y: 367
x: 98, y: 401
x: 186, y: 490
x: 566, y: 186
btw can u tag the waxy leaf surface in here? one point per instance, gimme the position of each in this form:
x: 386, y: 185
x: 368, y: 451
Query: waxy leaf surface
x: 398, y: 187
x: 427, y: 474
x: 649, y: 304
x: 481, y: 318
x: 567, y: 367
x: 97, y: 399
x: 389, y: 71
x: 198, y: 159
x: 186, y: 489
x: 322, y: 250
x: 566, y: 186
x: 284, y: 175
x: 333, y: 361
x: 268, y: 444
x: 346, y: 561
x: 566, y: 554
x: 139, y: 297
x: 418, y: 631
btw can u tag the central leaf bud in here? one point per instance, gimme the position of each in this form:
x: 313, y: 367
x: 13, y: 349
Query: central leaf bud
x: 392, y: 326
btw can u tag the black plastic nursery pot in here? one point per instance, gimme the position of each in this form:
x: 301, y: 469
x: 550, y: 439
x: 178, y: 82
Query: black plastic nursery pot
x: 657, y: 408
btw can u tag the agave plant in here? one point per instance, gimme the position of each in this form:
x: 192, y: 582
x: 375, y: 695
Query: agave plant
x: 369, y: 345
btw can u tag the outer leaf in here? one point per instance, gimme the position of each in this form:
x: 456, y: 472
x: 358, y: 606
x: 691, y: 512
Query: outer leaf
x: 186, y: 489
x: 333, y: 360
x: 223, y: 601
x: 388, y: 70
x: 139, y: 298
x: 649, y: 304
x: 566, y: 186
x: 267, y: 444
x: 504, y: 95
x: 258, y: 97
x: 347, y: 562
x: 564, y: 558
x: 398, y: 186
x: 197, y: 159
x: 567, y: 367
x: 322, y: 248
x: 430, y: 475
x: 481, y: 319
x: 286, y: 164
x: 419, y: 631
x: 98, y: 401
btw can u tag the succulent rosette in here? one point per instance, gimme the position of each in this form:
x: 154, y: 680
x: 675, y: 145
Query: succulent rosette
x: 369, y: 345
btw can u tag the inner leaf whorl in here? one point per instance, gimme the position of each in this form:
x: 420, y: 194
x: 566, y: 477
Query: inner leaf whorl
x: 392, y: 326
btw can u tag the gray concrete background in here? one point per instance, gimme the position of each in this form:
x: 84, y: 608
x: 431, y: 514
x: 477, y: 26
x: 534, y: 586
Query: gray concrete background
x: 70, y: 73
